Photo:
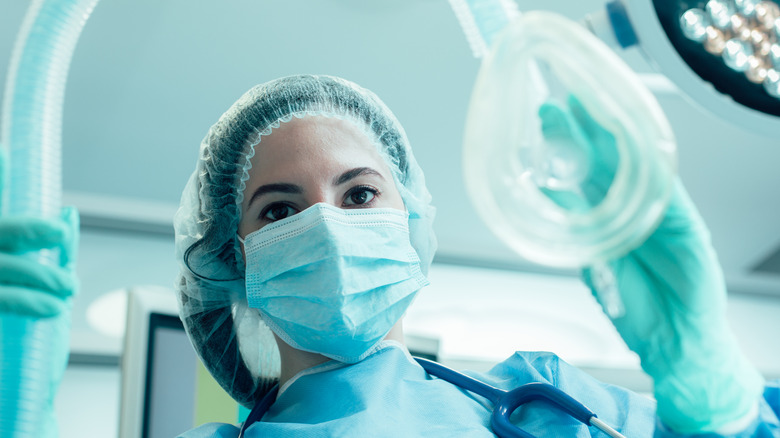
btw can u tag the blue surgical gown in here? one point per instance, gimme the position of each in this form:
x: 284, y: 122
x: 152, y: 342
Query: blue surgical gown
x: 389, y: 394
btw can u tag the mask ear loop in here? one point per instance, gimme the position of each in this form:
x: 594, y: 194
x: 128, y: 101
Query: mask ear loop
x: 198, y: 276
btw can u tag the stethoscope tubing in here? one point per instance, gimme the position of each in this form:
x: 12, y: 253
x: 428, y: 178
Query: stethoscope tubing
x: 504, y: 402
x: 259, y: 410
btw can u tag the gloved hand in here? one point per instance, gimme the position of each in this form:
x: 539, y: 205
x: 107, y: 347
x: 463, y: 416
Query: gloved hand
x: 674, y: 295
x: 36, y: 347
x: 28, y: 287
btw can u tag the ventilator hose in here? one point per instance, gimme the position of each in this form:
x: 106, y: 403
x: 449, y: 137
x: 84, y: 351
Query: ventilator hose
x: 33, y: 352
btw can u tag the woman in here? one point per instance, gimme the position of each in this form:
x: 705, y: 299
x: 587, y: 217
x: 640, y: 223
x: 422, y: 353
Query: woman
x: 306, y: 231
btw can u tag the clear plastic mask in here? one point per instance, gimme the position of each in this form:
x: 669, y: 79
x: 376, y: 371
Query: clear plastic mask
x: 554, y: 201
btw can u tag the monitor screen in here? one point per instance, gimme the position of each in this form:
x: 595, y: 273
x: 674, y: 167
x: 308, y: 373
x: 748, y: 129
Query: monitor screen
x: 180, y: 394
x: 166, y: 390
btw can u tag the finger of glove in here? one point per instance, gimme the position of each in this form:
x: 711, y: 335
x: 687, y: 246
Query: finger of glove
x: 24, y: 234
x: 558, y: 123
x: 30, y: 302
x: 605, y: 152
x: 603, y: 139
x: 571, y: 201
x: 19, y: 271
x: 70, y: 243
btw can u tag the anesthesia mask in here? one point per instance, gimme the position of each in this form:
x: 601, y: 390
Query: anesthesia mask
x: 568, y: 201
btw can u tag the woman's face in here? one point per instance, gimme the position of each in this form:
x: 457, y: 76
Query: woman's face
x: 312, y: 160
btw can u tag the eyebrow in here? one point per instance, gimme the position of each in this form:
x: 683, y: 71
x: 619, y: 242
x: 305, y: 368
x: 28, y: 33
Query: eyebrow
x: 275, y: 188
x: 354, y: 173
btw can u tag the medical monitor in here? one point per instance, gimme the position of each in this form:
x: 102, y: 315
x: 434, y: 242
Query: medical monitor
x: 166, y: 390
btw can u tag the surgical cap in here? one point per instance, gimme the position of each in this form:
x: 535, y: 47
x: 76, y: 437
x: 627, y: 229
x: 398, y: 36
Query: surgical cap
x: 232, y: 341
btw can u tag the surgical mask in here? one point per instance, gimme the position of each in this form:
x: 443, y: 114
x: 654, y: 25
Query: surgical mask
x: 333, y: 281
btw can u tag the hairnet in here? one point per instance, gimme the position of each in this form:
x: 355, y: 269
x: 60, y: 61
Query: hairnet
x: 234, y: 344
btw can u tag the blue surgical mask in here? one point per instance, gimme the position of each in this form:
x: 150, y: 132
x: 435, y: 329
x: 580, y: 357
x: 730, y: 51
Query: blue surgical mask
x: 333, y: 281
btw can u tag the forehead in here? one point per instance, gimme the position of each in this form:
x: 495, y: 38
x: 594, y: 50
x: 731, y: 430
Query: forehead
x: 311, y: 142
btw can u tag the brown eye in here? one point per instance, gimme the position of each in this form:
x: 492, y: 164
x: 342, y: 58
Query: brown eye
x: 275, y: 212
x: 360, y: 196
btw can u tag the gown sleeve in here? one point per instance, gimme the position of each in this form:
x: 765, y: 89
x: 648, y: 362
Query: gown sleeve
x: 630, y: 413
x: 215, y: 430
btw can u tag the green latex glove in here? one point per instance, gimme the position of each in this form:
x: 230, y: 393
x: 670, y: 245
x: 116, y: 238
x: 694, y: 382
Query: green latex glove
x: 28, y: 287
x: 674, y: 295
x: 588, y: 141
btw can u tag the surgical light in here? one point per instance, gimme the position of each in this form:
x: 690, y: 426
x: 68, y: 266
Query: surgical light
x: 750, y: 31
x: 721, y: 11
x: 736, y: 54
x: 694, y: 23
x: 723, y: 54
x: 747, y: 7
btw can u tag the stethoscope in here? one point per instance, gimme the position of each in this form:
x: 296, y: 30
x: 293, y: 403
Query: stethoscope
x: 504, y: 402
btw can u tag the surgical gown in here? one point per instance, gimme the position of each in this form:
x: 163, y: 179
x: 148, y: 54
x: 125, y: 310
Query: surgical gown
x: 389, y: 394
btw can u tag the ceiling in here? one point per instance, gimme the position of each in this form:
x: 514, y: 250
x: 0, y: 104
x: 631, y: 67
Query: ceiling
x: 149, y: 77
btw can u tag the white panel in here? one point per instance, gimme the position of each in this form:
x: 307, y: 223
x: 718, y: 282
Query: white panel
x: 481, y: 316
